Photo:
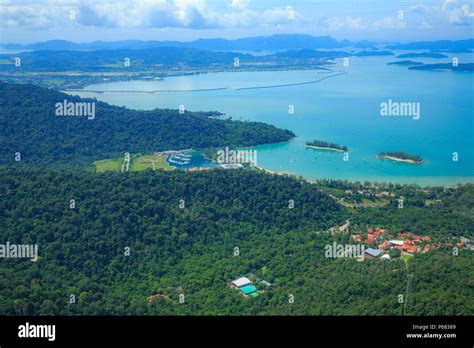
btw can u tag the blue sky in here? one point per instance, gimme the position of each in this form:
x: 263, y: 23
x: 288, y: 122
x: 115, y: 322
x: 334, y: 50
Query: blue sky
x: 185, y: 20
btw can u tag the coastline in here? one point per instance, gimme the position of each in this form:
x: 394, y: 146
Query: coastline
x: 275, y: 172
x: 396, y: 159
x: 425, y: 181
x: 325, y: 148
x: 163, y: 75
x: 373, y: 170
x: 162, y: 78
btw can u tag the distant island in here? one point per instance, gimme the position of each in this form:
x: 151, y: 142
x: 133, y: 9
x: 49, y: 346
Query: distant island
x: 455, y: 50
x: 445, y: 66
x: 434, y: 45
x: 373, y: 53
x: 323, y: 145
x: 401, y: 157
x: 405, y: 63
x: 422, y: 55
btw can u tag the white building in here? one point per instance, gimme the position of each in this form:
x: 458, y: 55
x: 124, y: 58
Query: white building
x: 241, y: 282
x: 232, y: 166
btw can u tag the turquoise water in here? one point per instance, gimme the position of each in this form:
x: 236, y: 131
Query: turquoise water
x: 197, y: 160
x: 343, y: 109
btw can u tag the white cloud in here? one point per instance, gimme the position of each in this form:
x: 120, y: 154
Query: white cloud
x: 234, y: 14
x: 446, y: 4
x: 460, y: 15
x: 344, y: 23
x: 390, y: 23
x: 467, y: 11
x: 35, y: 17
x: 280, y: 15
x: 449, y: 14
x: 240, y: 4
x: 426, y: 25
x: 192, y: 14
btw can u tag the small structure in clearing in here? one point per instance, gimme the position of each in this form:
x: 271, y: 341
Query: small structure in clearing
x: 245, y: 286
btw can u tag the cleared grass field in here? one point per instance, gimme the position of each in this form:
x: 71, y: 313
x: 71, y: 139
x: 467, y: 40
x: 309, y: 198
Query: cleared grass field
x: 108, y: 165
x: 406, y: 258
x: 145, y: 162
x: 138, y: 163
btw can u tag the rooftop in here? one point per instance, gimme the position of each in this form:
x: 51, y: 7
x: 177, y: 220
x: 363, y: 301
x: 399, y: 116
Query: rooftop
x: 248, y: 289
x: 241, y: 282
x: 373, y: 252
x: 232, y: 166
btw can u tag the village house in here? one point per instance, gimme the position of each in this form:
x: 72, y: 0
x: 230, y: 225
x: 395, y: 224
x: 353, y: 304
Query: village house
x: 396, y: 242
x: 406, y: 242
x: 407, y: 247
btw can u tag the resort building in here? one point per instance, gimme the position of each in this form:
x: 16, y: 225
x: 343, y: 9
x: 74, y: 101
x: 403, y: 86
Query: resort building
x: 396, y: 242
x: 406, y: 242
x: 245, y: 286
x: 232, y: 166
x: 371, y: 253
x: 248, y: 289
x: 241, y: 282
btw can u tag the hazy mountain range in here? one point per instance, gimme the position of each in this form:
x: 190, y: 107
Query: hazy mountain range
x: 261, y: 43
x: 274, y: 43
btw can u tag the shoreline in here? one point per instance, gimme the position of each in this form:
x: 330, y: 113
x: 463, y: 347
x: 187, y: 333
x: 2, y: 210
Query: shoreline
x: 163, y: 75
x: 396, y: 159
x: 336, y: 73
x: 325, y: 148
x: 464, y: 181
x: 275, y: 172
x: 291, y: 84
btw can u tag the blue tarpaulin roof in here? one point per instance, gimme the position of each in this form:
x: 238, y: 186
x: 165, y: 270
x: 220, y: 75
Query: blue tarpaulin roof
x: 248, y: 289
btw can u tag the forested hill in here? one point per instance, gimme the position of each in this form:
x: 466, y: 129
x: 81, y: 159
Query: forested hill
x: 81, y: 249
x: 31, y: 127
x: 182, y: 231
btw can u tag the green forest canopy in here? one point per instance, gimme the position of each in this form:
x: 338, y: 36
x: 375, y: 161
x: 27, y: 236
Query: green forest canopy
x: 30, y: 126
x: 191, y: 250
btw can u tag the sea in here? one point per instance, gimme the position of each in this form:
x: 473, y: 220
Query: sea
x: 341, y: 105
